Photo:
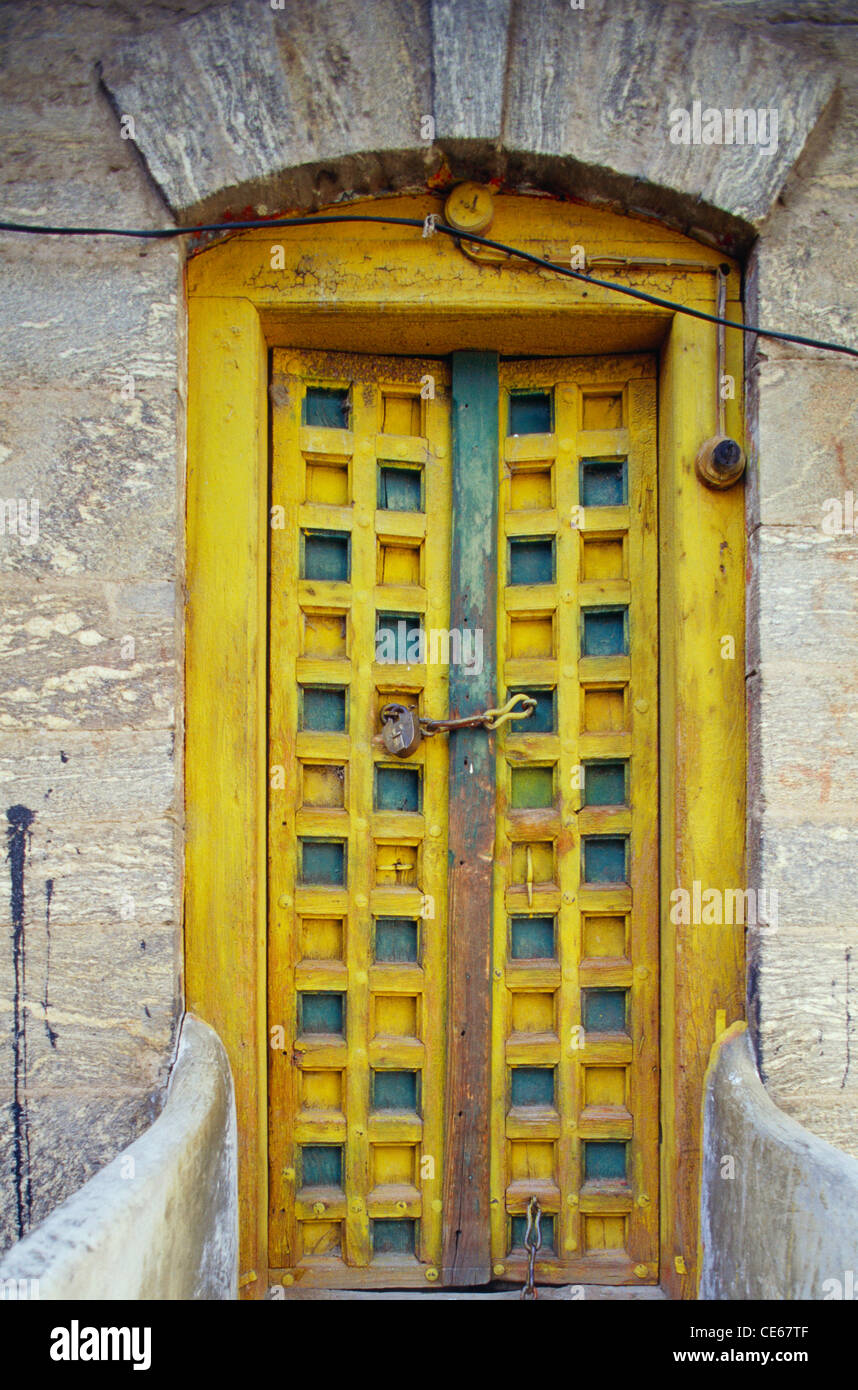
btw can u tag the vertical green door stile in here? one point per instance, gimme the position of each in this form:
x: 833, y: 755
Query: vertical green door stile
x: 473, y: 573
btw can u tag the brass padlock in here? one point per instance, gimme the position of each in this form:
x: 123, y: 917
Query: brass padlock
x: 400, y: 731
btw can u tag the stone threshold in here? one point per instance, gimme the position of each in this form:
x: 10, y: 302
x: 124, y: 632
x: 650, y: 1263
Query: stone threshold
x: 602, y: 1293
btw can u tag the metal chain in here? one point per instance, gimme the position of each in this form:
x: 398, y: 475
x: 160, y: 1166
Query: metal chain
x: 532, y: 1243
x: 489, y: 719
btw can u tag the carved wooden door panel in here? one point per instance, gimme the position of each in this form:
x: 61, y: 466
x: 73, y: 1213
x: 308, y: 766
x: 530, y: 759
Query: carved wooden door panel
x: 462, y: 943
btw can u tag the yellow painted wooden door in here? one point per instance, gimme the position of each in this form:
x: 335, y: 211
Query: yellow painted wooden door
x: 421, y: 1093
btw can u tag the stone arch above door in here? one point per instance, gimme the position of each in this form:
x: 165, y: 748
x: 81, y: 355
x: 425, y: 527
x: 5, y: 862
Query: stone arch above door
x: 248, y: 107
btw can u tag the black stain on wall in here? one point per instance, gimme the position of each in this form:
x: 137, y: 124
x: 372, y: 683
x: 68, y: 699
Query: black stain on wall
x: 49, y: 893
x: 20, y: 819
x: 848, y: 1022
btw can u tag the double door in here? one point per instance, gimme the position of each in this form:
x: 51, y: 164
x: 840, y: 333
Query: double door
x: 463, y: 943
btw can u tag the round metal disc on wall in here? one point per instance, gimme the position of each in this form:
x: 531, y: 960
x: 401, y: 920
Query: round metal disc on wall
x: 470, y: 208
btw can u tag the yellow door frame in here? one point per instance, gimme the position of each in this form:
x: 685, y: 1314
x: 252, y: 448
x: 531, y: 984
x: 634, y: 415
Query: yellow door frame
x: 387, y: 289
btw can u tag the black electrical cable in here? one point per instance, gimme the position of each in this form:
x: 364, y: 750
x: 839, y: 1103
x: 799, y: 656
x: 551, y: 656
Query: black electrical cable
x: 164, y: 233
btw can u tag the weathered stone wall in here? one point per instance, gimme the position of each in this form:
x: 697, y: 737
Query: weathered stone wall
x: 245, y: 106
x: 803, y: 623
x: 90, y: 681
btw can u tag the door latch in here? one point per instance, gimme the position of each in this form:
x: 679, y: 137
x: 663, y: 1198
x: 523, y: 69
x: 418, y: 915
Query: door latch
x: 532, y: 1245
x: 402, y: 733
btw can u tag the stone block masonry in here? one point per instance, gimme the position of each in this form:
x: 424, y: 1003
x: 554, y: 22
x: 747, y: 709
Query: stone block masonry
x: 91, y: 373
